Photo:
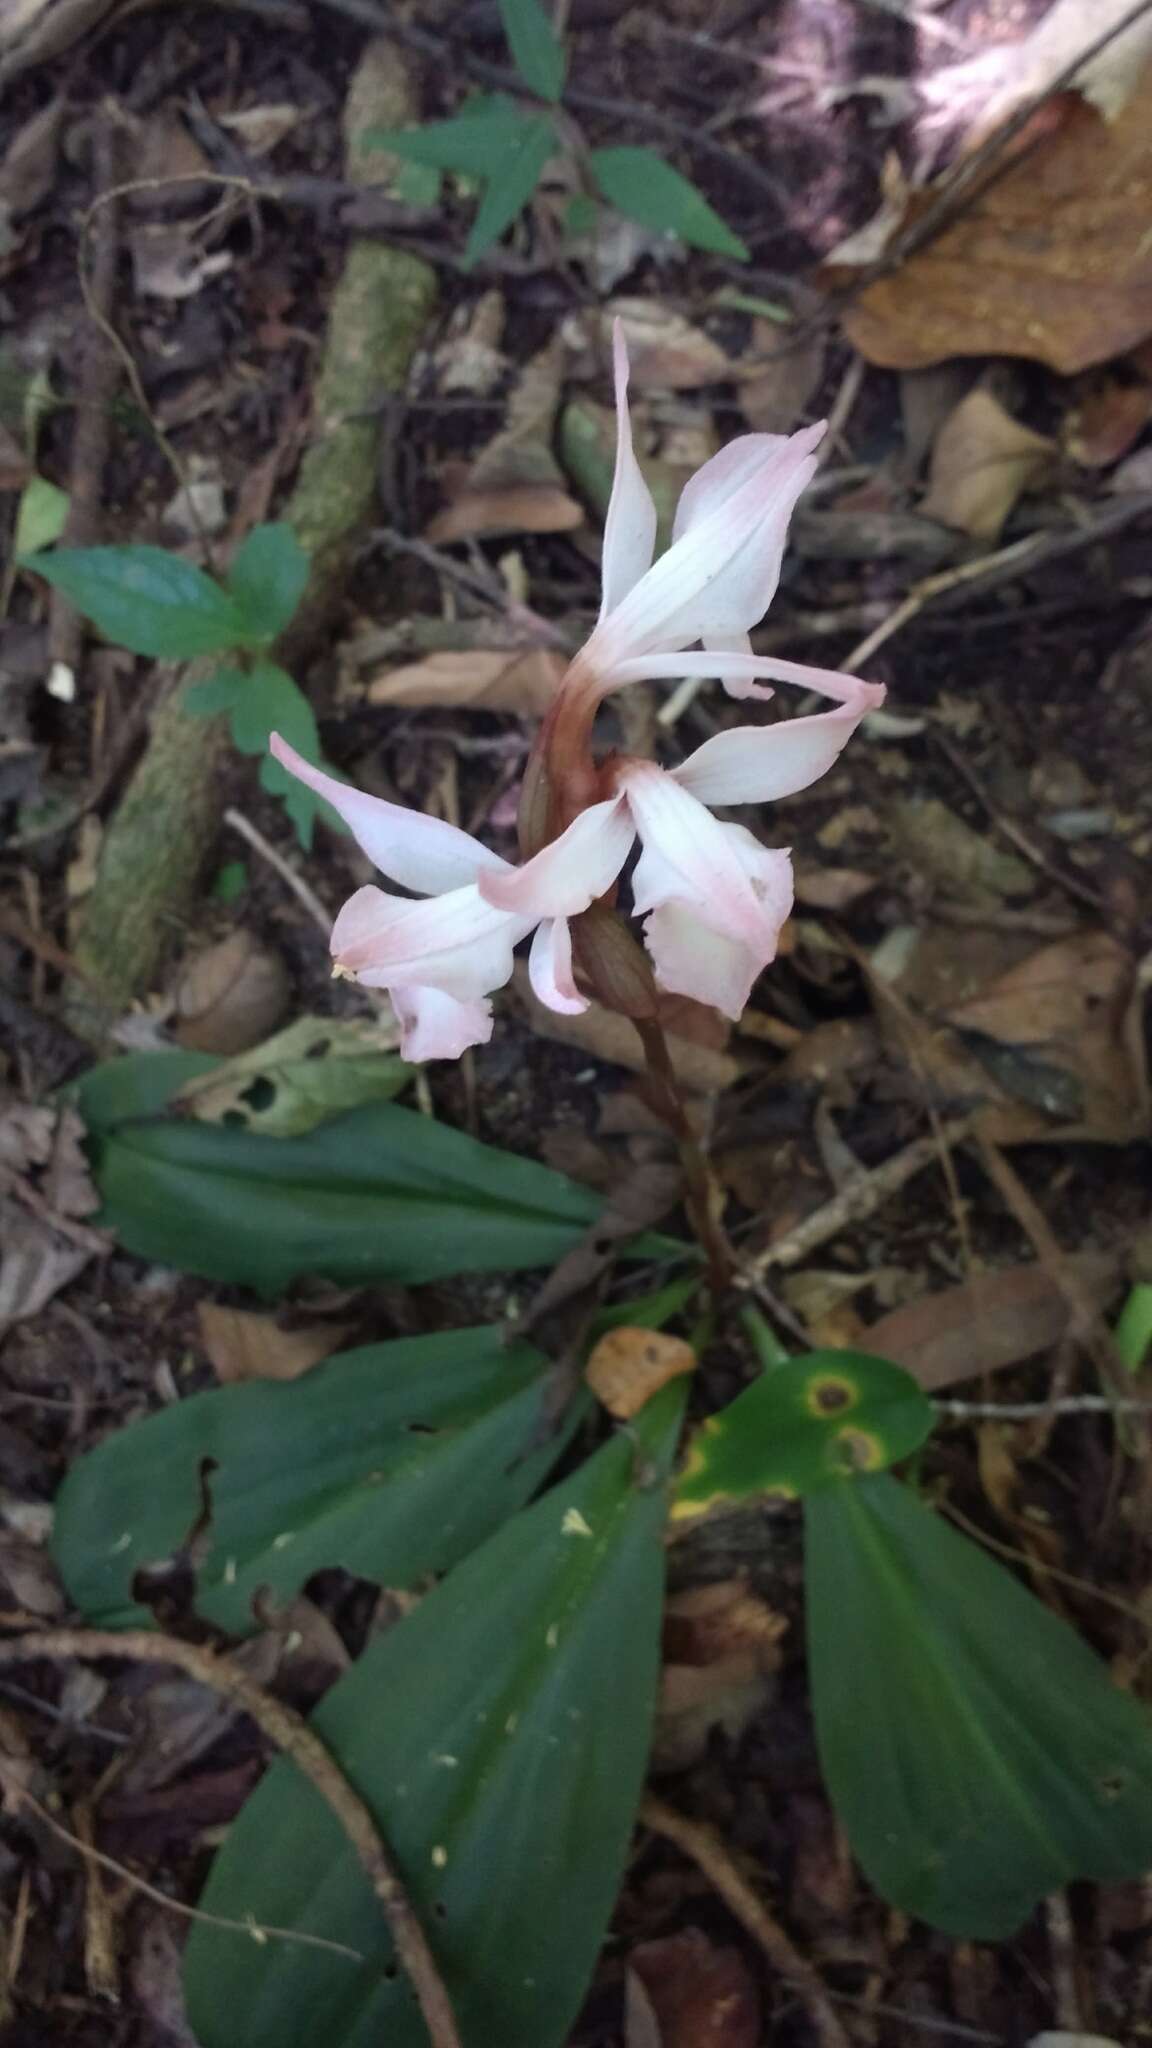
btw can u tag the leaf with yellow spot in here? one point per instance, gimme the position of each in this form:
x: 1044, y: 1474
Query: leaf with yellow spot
x: 804, y: 1425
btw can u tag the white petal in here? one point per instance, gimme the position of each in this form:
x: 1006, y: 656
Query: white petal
x: 689, y: 857
x: 417, y: 851
x: 755, y: 764
x: 456, y: 943
x: 550, y: 968
x: 724, y: 473
x: 565, y: 877
x: 630, y: 525
x: 437, y: 1027
x: 721, y: 575
x: 690, y: 958
x: 699, y: 947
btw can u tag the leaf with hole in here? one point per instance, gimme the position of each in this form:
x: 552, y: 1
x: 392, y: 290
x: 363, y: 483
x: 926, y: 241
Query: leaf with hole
x: 802, y: 1425
x: 976, y: 1750
x: 536, y: 49
x: 393, y: 1461
x: 315, y: 1068
x: 381, y: 1195
x: 500, y: 1734
x: 267, y: 579
x: 146, y: 599
x: 639, y: 183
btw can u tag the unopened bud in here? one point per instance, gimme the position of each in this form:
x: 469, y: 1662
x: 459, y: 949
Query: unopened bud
x: 616, y: 968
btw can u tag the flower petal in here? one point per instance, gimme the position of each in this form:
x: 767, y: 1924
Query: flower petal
x: 691, y: 958
x: 630, y: 525
x: 733, y: 883
x: 434, y: 1026
x: 720, y: 576
x: 565, y: 877
x: 456, y: 942
x: 550, y: 968
x: 755, y: 764
x: 417, y: 851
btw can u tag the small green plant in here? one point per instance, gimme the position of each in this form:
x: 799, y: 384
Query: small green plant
x: 157, y: 604
x: 502, y: 144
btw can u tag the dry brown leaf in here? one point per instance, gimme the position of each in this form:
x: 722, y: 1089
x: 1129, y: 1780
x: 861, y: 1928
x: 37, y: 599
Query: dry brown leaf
x: 722, y: 1644
x: 627, y: 1366
x: 983, y: 461
x: 773, y: 398
x: 29, y: 168
x: 524, y: 681
x: 832, y: 888
x: 46, y: 1192
x: 605, y: 1036
x: 666, y: 352
x: 230, y: 996
x: 702, y: 1995
x: 989, y: 1322
x: 509, y: 508
x: 261, y: 128
x: 1051, y: 261
x: 245, y: 1345
x: 31, y: 31
x: 470, y: 359
x: 1106, y: 420
x: 515, y: 485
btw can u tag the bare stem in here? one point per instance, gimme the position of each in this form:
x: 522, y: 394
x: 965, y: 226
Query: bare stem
x: 703, y: 1197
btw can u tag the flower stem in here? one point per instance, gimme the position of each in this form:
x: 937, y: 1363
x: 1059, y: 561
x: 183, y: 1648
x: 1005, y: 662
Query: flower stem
x: 703, y: 1195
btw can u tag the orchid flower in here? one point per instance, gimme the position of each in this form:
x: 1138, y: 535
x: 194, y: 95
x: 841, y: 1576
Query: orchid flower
x: 714, y: 899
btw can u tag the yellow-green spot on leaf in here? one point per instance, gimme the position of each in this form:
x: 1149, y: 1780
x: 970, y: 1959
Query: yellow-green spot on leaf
x: 788, y: 1435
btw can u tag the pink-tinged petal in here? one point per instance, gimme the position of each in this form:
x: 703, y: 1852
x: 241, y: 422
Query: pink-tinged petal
x: 456, y: 943
x: 756, y: 764
x: 565, y: 877
x: 434, y: 1026
x: 720, y: 576
x: 721, y: 871
x: 417, y: 851
x: 550, y: 968
x: 749, y: 456
x: 630, y: 525
x: 689, y: 958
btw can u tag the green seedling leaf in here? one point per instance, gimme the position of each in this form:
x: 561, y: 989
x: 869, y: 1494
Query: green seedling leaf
x: 216, y: 694
x: 639, y: 183
x: 417, y: 184
x: 500, y: 1734
x: 975, y: 1749
x: 382, y: 1194
x: 536, y: 49
x: 581, y: 216
x: 511, y: 186
x: 474, y: 142
x: 145, y: 599
x: 231, y: 881
x: 267, y: 579
x: 41, y: 516
x: 805, y: 1424
x: 260, y: 701
x: 1134, y: 1329
x: 315, y: 1069
x: 394, y: 1461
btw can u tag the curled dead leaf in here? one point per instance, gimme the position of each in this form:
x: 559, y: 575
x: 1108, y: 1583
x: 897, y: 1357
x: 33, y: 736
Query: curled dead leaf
x: 515, y: 485
x: 628, y: 1366
x: 230, y: 995
x: 245, y: 1345
x: 666, y: 352
x: 701, y: 1995
x: 988, y: 1322
x: 520, y: 680
x: 982, y: 462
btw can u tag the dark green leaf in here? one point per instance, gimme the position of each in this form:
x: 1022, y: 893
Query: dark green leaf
x: 802, y: 1425
x: 267, y: 578
x: 581, y: 215
x: 639, y: 183
x: 473, y: 142
x: 145, y: 599
x: 536, y: 49
x: 231, y: 881
x: 1134, y: 1328
x: 511, y: 186
x: 383, y: 1194
x: 219, y: 692
x: 393, y: 1461
x: 977, y: 1752
x: 500, y: 1733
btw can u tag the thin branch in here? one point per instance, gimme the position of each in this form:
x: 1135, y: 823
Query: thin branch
x: 290, y: 1733
x: 1027, y: 1411
x: 711, y: 1855
x: 287, y: 873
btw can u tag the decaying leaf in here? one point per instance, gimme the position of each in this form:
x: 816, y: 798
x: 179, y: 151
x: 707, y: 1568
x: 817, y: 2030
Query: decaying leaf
x: 45, y: 1193
x: 1106, y: 420
x: 1051, y: 261
x: 702, y: 1995
x: 315, y: 1068
x: 666, y: 352
x: 230, y: 995
x: 244, y: 1345
x: 987, y: 1323
x: 32, y: 31
x: 774, y: 397
x: 470, y: 359
x: 29, y: 167
x: 520, y: 680
x: 950, y: 853
x: 722, y: 1648
x: 982, y: 462
x: 515, y: 485
x: 628, y: 1366
x: 605, y: 1036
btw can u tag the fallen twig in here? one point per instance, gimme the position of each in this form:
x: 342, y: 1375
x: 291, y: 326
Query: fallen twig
x: 303, y: 892
x: 289, y: 1733
x: 709, y: 1852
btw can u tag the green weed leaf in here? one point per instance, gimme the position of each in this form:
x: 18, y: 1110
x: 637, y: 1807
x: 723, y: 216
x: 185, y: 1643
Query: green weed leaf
x: 145, y: 599
x: 804, y: 1424
x: 511, y: 186
x: 976, y: 1750
x: 500, y: 1733
x: 639, y: 183
x: 474, y: 142
x: 315, y: 1068
x: 41, y: 517
x: 536, y: 49
x: 267, y: 579
x: 393, y: 1461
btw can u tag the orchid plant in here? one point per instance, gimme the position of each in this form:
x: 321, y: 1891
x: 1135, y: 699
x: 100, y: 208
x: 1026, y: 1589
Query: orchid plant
x: 712, y: 896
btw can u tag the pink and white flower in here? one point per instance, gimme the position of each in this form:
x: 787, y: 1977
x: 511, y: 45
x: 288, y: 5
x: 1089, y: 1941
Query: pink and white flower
x: 713, y: 898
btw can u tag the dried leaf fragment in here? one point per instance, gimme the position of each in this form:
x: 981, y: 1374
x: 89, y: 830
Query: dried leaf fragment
x: 231, y: 995
x: 245, y: 1345
x: 628, y: 1366
x: 983, y: 461
x: 520, y: 680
